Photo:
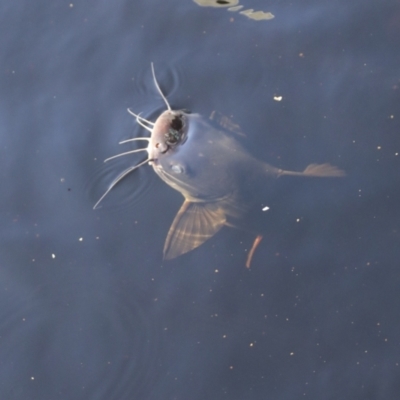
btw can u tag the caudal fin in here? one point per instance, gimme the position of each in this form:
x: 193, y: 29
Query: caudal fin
x: 318, y: 171
x: 323, y: 170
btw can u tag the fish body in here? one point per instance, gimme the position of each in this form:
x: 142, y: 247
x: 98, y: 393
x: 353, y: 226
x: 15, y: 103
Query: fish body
x: 217, y: 177
x: 219, y: 180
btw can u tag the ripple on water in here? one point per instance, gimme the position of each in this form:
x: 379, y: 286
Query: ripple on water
x: 72, y: 346
x: 169, y: 78
x: 129, y: 190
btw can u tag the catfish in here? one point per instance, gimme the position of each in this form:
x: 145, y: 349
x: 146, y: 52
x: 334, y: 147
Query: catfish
x: 217, y: 177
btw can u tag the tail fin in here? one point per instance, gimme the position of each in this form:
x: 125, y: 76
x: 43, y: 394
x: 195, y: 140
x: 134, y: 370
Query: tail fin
x: 323, y: 170
x: 317, y: 170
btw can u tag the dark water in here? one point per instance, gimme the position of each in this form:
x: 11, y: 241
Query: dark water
x: 88, y: 308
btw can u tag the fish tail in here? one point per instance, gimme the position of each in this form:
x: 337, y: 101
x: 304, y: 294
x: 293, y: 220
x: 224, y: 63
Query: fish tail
x: 316, y: 170
x: 323, y: 170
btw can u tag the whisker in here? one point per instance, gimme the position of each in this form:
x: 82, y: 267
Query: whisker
x: 158, y: 87
x: 124, y: 154
x: 143, y: 125
x: 119, y: 178
x: 139, y: 117
x: 131, y: 140
x: 139, y: 120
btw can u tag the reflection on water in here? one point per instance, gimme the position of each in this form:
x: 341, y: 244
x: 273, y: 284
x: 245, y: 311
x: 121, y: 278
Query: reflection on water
x: 232, y: 5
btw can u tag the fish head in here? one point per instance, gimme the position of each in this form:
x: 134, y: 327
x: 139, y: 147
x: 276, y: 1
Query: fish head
x: 172, y: 151
x: 194, y: 157
x: 186, y: 154
x: 170, y: 131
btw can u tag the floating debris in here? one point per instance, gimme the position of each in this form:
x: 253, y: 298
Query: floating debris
x: 257, y: 15
x: 232, y: 5
x: 237, y: 8
x: 216, y: 3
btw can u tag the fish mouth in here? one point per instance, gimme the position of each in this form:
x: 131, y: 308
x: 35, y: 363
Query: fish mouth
x: 176, y: 132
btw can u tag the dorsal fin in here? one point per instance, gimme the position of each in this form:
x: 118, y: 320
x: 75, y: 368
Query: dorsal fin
x: 226, y: 123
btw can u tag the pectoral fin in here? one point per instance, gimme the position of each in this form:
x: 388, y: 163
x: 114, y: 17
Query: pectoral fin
x: 193, y: 225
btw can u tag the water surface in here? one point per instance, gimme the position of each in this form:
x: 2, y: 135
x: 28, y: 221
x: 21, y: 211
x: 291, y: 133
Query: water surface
x: 89, y: 308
